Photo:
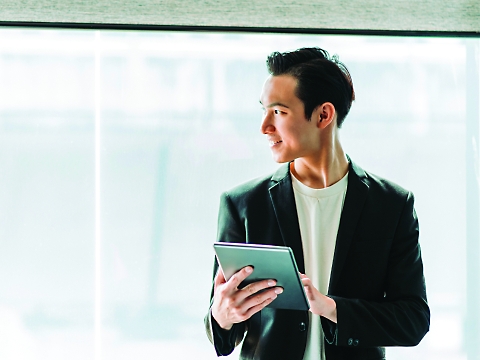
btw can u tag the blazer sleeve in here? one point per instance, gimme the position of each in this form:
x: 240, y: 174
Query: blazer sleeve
x: 230, y: 229
x: 402, y: 317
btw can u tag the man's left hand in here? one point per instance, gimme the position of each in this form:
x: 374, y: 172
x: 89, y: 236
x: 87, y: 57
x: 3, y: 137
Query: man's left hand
x: 319, y: 304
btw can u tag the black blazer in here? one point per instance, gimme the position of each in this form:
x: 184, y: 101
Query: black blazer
x: 376, y: 278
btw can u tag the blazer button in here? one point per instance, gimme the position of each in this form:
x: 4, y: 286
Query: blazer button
x: 350, y: 342
x: 355, y: 342
x: 302, y: 326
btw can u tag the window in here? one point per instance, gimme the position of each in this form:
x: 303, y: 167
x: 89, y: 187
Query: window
x: 116, y: 145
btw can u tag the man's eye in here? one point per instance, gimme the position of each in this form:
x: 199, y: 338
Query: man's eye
x: 277, y: 112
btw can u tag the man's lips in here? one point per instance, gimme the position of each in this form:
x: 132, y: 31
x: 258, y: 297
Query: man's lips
x: 274, y: 142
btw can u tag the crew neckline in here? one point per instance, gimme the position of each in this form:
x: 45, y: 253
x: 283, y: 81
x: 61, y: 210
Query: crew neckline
x: 331, y: 190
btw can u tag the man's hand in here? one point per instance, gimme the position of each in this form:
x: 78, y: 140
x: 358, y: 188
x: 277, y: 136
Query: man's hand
x: 319, y: 304
x: 232, y: 305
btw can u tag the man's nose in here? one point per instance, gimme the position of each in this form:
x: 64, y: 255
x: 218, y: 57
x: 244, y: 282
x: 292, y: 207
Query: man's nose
x: 267, y: 126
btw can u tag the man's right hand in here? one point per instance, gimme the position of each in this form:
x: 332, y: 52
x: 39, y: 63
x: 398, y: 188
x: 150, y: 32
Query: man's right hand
x: 232, y: 305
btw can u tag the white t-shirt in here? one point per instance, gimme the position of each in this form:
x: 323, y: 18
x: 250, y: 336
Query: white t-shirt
x: 319, y: 213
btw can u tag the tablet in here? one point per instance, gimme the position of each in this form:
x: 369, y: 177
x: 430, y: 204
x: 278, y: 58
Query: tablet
x: 268, y: 262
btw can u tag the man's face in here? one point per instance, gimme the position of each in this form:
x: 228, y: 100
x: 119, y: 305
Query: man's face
x: 289, y: 133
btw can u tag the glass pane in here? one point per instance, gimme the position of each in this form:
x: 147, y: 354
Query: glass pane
x: 46, y: 194
x: 178, y: 119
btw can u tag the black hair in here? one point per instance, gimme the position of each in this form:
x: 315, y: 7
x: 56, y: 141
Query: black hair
x: 320, y: 79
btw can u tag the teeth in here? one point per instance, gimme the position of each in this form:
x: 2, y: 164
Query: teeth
x: 271, y: 142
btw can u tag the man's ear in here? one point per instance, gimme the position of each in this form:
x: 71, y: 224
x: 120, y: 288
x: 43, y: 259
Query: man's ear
x: 325, y: 114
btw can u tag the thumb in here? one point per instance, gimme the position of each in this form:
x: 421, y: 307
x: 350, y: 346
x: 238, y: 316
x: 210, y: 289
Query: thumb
x: 219, y: 278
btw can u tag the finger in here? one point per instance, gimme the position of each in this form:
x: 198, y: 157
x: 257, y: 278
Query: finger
x: 307, y: 285
x: 308, y: 291
x: 219, y: 278
x: 306, y: 281
x: 259, y: 298
x: 257, y: 286
x: 239, y: 276
x: 259, y: 306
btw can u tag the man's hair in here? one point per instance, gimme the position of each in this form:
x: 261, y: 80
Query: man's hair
x: 320, y: 79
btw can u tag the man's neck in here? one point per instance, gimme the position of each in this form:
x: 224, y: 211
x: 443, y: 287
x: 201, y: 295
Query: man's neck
x: 321, y: 171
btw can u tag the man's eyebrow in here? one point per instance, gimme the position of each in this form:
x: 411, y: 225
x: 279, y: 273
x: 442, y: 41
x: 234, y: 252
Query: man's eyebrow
x: 274, y: 104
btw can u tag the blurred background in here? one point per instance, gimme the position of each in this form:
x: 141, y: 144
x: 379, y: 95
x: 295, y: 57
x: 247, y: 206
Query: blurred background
x: 116, y: 145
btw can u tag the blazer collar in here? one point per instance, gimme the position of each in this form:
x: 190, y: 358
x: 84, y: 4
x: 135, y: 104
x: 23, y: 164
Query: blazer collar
x: 282, y: 173
x: 357, y: 191
x: 356, y: 173
x: 283, y: 201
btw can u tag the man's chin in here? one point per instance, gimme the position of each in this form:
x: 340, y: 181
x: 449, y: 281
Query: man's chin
x: 281, y: 159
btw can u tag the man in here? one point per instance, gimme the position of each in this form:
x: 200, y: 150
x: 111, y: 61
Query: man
x: 354, y: 235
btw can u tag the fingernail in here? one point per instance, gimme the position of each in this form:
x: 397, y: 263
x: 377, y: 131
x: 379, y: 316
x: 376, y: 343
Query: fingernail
x: 271, y: 283
x: 248, y: 269
x: 278, y: 291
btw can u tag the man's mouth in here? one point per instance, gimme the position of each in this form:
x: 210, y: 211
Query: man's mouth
x: 273, y: 143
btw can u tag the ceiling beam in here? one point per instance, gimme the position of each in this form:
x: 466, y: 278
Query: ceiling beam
x: 458, y: 16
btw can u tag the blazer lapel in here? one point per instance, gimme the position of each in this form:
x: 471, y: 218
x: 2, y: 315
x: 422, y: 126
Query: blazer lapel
x: 355, y: 197
x: 283, y: 200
